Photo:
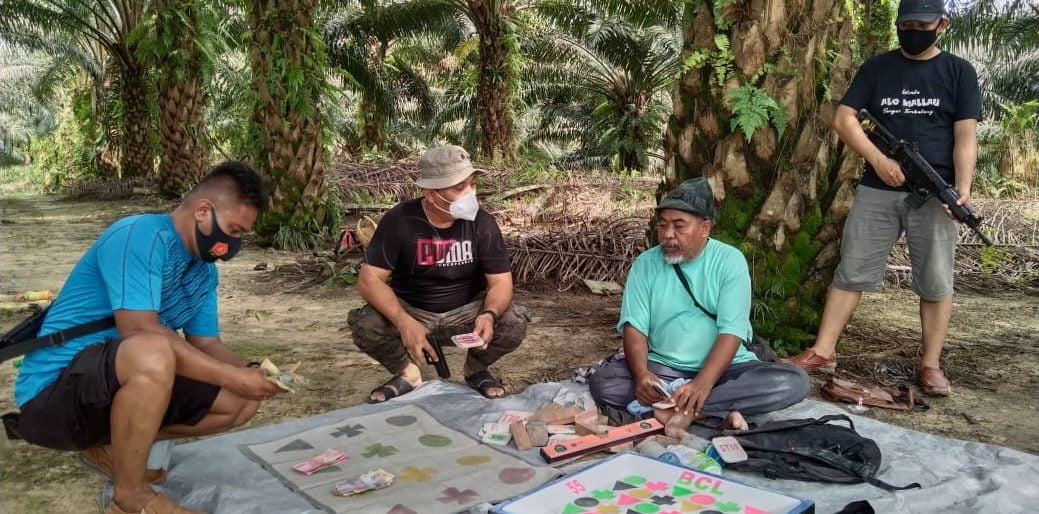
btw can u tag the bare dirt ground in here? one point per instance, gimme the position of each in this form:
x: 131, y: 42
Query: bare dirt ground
x: 991, y: 353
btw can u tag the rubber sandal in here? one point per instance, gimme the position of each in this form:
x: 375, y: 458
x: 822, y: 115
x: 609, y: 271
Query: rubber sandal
x: 391, y: 389
x: 483, y: 381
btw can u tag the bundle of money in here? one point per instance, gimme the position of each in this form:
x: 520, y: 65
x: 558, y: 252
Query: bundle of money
x: 280, y: 378
x: 369, y: 481
x: 320, y: 461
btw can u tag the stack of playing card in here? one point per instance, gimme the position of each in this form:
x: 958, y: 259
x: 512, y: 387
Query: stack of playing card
x: 495, y: 433
x: 320, y: 461
x: 665, y: 404
x: 369, y: 481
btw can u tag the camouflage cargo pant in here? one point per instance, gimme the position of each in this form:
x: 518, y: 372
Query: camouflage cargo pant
x: 379, y: 338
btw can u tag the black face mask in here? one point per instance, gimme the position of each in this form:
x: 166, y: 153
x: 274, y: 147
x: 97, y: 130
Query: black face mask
x: 217, y: 244
x: 915, y: 42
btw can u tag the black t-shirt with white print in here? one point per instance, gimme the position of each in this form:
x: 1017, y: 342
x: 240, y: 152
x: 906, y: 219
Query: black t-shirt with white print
x: 437, y: 269
x: 918, y: 101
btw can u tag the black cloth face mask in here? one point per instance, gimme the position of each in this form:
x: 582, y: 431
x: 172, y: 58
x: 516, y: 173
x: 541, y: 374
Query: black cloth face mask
x: 217, y: 245
x: 915, y: 42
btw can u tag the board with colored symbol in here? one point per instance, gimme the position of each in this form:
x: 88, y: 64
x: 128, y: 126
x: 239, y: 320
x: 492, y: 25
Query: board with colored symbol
x: 436, y: 470
x: 630, y: 483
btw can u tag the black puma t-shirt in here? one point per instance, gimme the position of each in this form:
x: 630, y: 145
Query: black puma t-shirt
x: 917, y: 101
x: 437, y: 269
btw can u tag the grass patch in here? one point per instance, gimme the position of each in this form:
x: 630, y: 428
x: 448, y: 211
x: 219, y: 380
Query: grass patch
x: 22, y: 180
x: 258, y: 350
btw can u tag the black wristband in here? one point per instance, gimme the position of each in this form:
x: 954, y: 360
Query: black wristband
x: 494, y: 315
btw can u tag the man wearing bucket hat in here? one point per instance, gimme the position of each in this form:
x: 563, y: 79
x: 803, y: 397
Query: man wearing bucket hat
x: 685, y: 317
x: 437, y: 267
x: 929, y: 97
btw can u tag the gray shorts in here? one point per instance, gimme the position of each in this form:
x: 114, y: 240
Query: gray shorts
x: 876, y: 220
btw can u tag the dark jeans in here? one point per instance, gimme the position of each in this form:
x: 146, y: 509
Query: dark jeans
x: 750, y: 387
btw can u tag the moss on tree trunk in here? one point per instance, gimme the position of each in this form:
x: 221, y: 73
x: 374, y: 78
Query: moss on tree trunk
x: 752, y: 113
x: 287, y: 129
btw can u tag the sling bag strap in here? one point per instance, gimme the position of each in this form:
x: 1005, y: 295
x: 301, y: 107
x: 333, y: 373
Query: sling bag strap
x: 840, y: 462
x: 689, y: 289
x: 15, y: 349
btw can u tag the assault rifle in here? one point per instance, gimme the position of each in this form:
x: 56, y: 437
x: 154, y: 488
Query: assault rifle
x: 921, y: 178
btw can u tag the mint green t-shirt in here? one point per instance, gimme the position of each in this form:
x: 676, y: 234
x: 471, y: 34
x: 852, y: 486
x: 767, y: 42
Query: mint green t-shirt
x: 680, y: 335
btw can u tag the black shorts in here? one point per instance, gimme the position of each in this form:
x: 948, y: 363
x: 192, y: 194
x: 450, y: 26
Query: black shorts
x: 73, y: 412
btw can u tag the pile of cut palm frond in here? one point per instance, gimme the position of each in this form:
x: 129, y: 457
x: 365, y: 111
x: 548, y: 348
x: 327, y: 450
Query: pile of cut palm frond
x: 1012, y: 261
x: 597, y: 253
x: 109, y: 189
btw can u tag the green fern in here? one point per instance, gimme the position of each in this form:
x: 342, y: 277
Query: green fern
x: 719, y: 14
x: 720, y: 59
x: 723, y: 59
x: 753, y: 108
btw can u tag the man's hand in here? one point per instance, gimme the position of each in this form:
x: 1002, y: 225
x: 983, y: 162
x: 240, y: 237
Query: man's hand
x: 963, y: 200
x: 485, y: 329
x: 889, y: 171
x: 690, y: 397
x: 414, y: 335
x: 644, y: 390
x: 252, y: 384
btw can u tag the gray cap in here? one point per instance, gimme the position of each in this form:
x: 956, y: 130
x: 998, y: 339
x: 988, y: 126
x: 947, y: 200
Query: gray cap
x: 925, y: 11
x: 693, y: 196
x: 443, y: 166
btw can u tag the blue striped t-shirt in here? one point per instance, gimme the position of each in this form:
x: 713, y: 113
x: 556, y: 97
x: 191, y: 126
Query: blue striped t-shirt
x: 139, y: 263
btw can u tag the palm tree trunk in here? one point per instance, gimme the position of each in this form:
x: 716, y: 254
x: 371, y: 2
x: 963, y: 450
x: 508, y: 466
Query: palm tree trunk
x: 181, y: 128
x: 138, y: 154
x: 782, y: 197
x: 111, y: 153
x: 373, y: 125
x: 287, y: 126
x: 495, y: 78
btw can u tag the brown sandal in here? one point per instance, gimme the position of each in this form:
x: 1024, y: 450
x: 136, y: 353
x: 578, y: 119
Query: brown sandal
x: 838, y: 390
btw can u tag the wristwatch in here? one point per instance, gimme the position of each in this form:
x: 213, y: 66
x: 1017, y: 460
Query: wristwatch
x: 494, y: 315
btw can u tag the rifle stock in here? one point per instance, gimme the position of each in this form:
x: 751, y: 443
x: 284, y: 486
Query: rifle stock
x: 923, y: 180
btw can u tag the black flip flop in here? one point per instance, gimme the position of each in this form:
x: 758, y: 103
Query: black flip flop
x: 483, y: 381
x: 392, y: 388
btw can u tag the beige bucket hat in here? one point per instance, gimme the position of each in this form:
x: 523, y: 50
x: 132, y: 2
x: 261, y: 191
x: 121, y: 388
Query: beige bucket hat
x: 444, y: 166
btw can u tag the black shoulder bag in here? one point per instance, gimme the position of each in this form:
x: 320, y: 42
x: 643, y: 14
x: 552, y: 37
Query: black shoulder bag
x: 758, y: 345
x: 22, y: 338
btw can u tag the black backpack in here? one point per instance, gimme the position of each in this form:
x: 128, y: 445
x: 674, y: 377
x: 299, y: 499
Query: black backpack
x: 812, y: 450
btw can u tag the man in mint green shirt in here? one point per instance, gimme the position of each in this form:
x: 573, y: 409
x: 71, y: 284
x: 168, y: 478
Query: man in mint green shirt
x: 670, y: 336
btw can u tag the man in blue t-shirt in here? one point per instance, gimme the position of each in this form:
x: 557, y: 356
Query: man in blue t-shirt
x: 930, y: 97
x: 113, y: 393
x: 691, y: 328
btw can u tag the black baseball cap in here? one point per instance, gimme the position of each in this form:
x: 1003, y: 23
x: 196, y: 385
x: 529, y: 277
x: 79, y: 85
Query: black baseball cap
x: 925, y: 11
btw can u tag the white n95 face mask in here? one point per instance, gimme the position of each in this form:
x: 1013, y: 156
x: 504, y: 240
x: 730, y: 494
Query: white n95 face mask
x: 464, y: 207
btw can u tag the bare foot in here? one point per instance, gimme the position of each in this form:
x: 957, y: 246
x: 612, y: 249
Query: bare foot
x: 735, y: 421
x: 678, y: 425
x: 663, y: 415
x: 134, y: 499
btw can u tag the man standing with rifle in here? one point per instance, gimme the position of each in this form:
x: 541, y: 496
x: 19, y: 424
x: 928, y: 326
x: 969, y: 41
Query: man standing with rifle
x: 930, y: 97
